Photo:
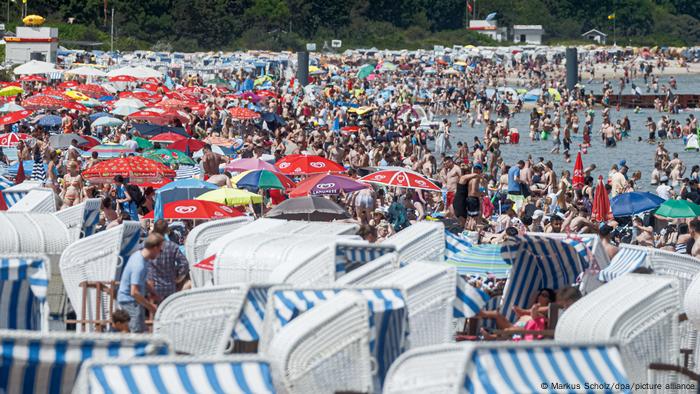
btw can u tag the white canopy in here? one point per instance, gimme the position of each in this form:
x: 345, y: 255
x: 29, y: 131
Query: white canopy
x: 36, y: 67
x: 87, y: 71
x: 136, y: 72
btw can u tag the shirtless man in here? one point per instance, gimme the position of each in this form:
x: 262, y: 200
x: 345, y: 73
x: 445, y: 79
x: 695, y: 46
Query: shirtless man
x: 609, y: 247
x: 473, y: 196
x: 449, y: 176
x: 210, y: 162
x: 695, y: 233
x: 645, y: 235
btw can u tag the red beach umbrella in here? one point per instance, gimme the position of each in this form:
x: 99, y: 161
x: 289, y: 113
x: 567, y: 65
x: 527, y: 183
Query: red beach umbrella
x: 14, y: 117
x: 185, y: 144
x: 243, y: 113
x: 577, y: 179
x: 601, y: 203
x: 136, y: 168
x: 167, y: 137
x: 122, y: 78
x: 307, y: 164
x: 196, y: 209
x: 401, y: 178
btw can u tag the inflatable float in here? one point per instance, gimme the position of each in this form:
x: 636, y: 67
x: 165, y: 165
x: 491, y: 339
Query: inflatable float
x: 33, y: 20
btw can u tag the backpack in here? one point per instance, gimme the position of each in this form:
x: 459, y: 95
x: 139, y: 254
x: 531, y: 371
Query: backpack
x: 135, y: 193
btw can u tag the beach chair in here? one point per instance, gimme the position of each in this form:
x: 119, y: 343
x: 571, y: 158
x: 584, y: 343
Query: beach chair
x: 97, y: 258
x: 507, y: 367
x: 36, y: 200
x: 81, y: 219
x: 231, y: 374
x: 24, y: 280
x: 430, y: 294
x: 198, y: 241
x: 15, y: 193
x: 419, y: 241
x: 43, y: 233
x: 200, y: 321
x: 325, y: 350
x: 388, y: 317
x: 640, y: 312
x: 249, y: 324
x: 34, y: 362
x: 373, y: 270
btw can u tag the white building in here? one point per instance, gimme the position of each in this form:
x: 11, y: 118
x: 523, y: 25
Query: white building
x: 595, y: 35
x: 528, y: 34
x: 489, y: 28
x: 32, y: 43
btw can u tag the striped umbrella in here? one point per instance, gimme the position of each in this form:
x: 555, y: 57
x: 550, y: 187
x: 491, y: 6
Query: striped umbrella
x: 168, y: 157
x: 262, y: 179
x: 110, y: 150
x: 480, y: 260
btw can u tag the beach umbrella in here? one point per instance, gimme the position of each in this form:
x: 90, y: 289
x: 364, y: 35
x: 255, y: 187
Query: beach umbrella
x: 110, y: 150
x: 182, y: 189
x: 155, y: 185
x: 480, y: 260
x: 219, y: 150
x: 14, y: 117
x: 307, y: 164
x: 135, y: 168
x: 32, y: 78
x: 326, y: 184
x: 124, y: 110
x: 49, y: 121
x: 143, y: 143
x: 187, y: 145
x: 173, y: 104
x: 91, y: 89
x: 91, y: 141
x: 35, y: 67
x: 129, y: 102
x: 41, y: 101
x: 168, y: 137
x: 12, y: 139
x: 169, y: 157
x: 96, y: 115
x: 67, y: 84
x: 107, y: 121
x: 240, y: 165
x: 364, y: 71
x: 196, y: 209
x: 401, y: 178
x: 11, y: 91
x: 601, y: 203
x: 73, y: 105
x: 628, y: 204
x: 240, y: 113
x: 262, y: 179
x: 577, y: 179
x: 87, y: 71
x: 61, y: 141
x: 678, y: 209
x: 122, y: 78
x: 75, y: 95
x: 11, y: 107
x: 160, y: 118
x: 311, y: 208
x: 231, y: 197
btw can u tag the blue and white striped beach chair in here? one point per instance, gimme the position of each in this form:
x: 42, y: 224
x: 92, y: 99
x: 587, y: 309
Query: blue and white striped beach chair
x: 163, y: 375
x: 627, y: 259
x: 540, y: 262
x: 15, y: 193
x: 508, y: 367
x: 388, y: 318
x: 24, y: 280
x: 34, y: 362
x: 350, y: 255
x: 250, y: 322
x: 419, y: 241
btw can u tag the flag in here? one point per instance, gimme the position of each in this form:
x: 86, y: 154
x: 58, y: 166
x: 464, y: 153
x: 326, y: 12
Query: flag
x: 20, y: 177
x: 491, y: 16
x: 611, y: 16
x: 469, y: 6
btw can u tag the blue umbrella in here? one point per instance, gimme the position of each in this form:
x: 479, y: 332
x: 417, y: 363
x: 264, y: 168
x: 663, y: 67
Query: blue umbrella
x: 106, y: 98
x: 183, y: 189
x: 28, y: 166
x: 628, y: 204
x: 107, y: 121
x: 97, y: 115
x: 49, y: 121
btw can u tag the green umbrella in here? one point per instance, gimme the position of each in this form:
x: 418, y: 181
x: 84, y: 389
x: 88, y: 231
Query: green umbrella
x: 365, y: 71
x: 679, y: 209
x: 168, y: 156
x: 143, y: 143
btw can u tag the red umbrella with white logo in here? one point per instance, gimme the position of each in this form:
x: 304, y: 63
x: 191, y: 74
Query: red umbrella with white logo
x: 307, y: 164
x: 578, y: 178
x: 12, y: 139
x: 14, y: 117
x: 197, y: 209
x: 399, y: 178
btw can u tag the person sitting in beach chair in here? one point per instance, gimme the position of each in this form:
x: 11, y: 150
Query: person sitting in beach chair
x: 544, y: 298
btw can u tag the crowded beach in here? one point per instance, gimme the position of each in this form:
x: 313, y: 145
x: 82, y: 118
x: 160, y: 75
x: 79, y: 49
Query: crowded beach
x: 447, y: 220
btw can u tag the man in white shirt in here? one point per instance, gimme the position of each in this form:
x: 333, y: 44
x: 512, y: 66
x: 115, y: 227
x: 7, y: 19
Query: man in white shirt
x: 664, y: 190
x: 130, y: 143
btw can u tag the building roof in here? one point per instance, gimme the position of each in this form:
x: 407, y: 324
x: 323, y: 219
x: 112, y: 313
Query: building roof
x: 594, y: 31
x: 527, y: 27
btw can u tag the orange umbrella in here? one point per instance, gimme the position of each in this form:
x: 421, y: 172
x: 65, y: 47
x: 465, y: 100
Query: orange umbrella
x: 601, y: 203
x: 578, y: 179
x: 243, y: 113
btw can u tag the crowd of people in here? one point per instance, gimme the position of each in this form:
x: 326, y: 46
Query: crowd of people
x: 376, y: 122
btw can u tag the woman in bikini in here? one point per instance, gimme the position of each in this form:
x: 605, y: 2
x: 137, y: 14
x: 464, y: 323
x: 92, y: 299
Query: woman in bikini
x: 72, y: 186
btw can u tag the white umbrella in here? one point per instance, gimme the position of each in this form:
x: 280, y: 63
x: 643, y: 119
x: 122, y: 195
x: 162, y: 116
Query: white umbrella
x: 129, y: 102
x: 120, y: 71
x: 87, y: 71
x: 107, y: 121
x: 11, y: 107
x: 145, y: 72
x: 124, y: 111
x: 36, y: 67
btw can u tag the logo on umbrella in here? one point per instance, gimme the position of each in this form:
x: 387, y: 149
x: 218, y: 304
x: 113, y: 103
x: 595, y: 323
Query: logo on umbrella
x: 218, y: 214
x: 284, y: 165
x: 317, y: 164
x: 325, y: 185
x: 379, y: 177
x: 420, y: 182
x: 401, y: 178
x: 185, y: 209
x: 226, y: 209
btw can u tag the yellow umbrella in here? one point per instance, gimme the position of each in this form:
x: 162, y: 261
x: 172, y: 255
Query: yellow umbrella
x: 361, y: 110
x: 11, y: 91
x: 77, y: 95
x: 231, y: 197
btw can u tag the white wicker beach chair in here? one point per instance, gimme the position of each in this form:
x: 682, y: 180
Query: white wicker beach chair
x: 326, y: 350
x: 36, y: 200
x: 16, y: 192
x: 430, y: 290
x: 506, y: 367
x: 35, y: 362
x: 81, y: 219
x: 24, y: 280
x: 198, y: 241
x: 200, y: 321
x: 640, y: 312
x: 96, y: 258
x: 420, y: 241
x: 231, y: 374
x: 372, y: 271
